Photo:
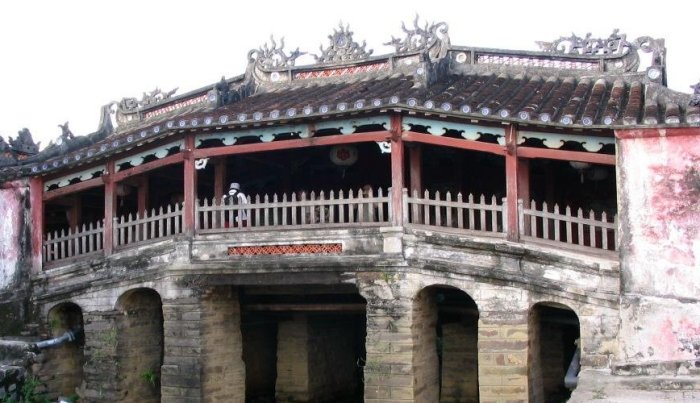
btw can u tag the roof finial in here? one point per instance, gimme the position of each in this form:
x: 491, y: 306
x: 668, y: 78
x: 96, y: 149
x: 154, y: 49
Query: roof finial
x: 272, y: 56
x: 342, y: 47
x: 432, y: 38
x: 695, y: 97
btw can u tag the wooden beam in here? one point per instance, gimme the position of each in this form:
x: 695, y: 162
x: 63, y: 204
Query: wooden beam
x: 304, y: 307
x: 36, y: 191
x: 149, y: 166
x: 397, y: 170
x: 593, y: 158
x: 463, y: 144
x: 512, y: 183
x: 74, y: 188
x: 110, y: 208
x: 190, y: 186
x: 291, y: 144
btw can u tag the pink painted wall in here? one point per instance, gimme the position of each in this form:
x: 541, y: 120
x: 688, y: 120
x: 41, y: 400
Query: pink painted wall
x: 659, y: 202
x: 11, y: 220
x: 660, y: 199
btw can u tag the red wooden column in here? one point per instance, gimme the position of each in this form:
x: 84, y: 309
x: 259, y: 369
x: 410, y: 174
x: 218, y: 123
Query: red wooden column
x: 220, y: 185
x: 512, y: 179
x: 415, y: 158
x: 36, y: 192
x: 397, y: 167
x: 190, y: 186
x: 110, y: 207
x: 75, y: 210
x: 142, y: 195
x: 524, y: 189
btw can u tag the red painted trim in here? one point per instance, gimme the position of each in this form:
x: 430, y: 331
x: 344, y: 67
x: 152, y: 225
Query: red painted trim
x: 397, y: 170
x: 110, y: 207
x: 652, y: 133
x: 190, y: 186
x: 593, y: 158
x: 290, y: 144
x: 149, y: 166
x: 512, y: 182
x: 464, y: 144
x: 36, y: 191
x: 69, y: 189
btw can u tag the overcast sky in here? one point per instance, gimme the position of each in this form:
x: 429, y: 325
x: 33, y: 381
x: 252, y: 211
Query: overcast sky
x: 62, y: 60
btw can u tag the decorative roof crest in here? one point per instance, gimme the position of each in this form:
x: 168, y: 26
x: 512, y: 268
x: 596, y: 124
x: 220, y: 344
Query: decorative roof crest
x: 272, y: 56
x: 615, y: 44
x: 657, y: 47
x: 695, y: 96
x: 342, y: 47
x: 24, y: 142
x: 130, y: 104
x: 432, y: 38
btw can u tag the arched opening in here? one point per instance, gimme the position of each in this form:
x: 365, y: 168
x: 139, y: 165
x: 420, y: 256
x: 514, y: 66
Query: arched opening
x: 554, y: 333
x: 445, y: 334
x: 62, y: 371
x: 303, y: 343
x: 139, y: 344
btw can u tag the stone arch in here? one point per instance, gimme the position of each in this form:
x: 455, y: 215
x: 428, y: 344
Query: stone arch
x: 62, y: 370
x: 445, y: 355
x: 139, y: 344
x: 554, y: 331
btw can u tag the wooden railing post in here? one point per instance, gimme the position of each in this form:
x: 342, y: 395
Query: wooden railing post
x: 397, y: 171
x: 110, y: 207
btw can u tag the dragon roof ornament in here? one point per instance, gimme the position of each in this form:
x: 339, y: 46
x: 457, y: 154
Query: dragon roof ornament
x: 695, y: 96
x: 147, y: 99
x: 615, y: 44
x: 432, y: 38
x: 272, y: 56
x: 342, y: 47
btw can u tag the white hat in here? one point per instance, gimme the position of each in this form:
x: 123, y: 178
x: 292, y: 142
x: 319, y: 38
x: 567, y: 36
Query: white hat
x: 234, y: 185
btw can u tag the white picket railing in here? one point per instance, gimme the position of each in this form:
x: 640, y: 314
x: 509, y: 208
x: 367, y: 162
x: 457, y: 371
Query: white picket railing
x: 579, y: 231
x: 154, y: 224
x: 313, y: 210
x: 484, y: 215
x: 77, y: 242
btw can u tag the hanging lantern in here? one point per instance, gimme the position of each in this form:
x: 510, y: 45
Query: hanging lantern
x: 344, y: 155
x: 581, y: 167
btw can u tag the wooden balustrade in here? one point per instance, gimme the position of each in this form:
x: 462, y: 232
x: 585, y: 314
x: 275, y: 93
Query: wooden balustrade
x: 72, y: 243
x: 484, y: 215
x: 153, y: 225
x: 580, y: 231
x: 471, y: 215
x: 312, y: 210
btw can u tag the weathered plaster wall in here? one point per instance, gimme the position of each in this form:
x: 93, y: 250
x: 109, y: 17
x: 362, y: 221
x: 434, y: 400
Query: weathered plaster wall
x: 14, y: 244
x: 660, y: 205
x: 659, y: 199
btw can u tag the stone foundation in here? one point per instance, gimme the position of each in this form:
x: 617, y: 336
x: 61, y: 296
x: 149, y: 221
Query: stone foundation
x: 224, y: 374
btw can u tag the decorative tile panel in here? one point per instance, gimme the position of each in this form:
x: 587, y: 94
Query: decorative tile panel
x: 289, y: 249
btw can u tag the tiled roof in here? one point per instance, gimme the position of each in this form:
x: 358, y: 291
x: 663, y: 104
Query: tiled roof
x: 584, y: 90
